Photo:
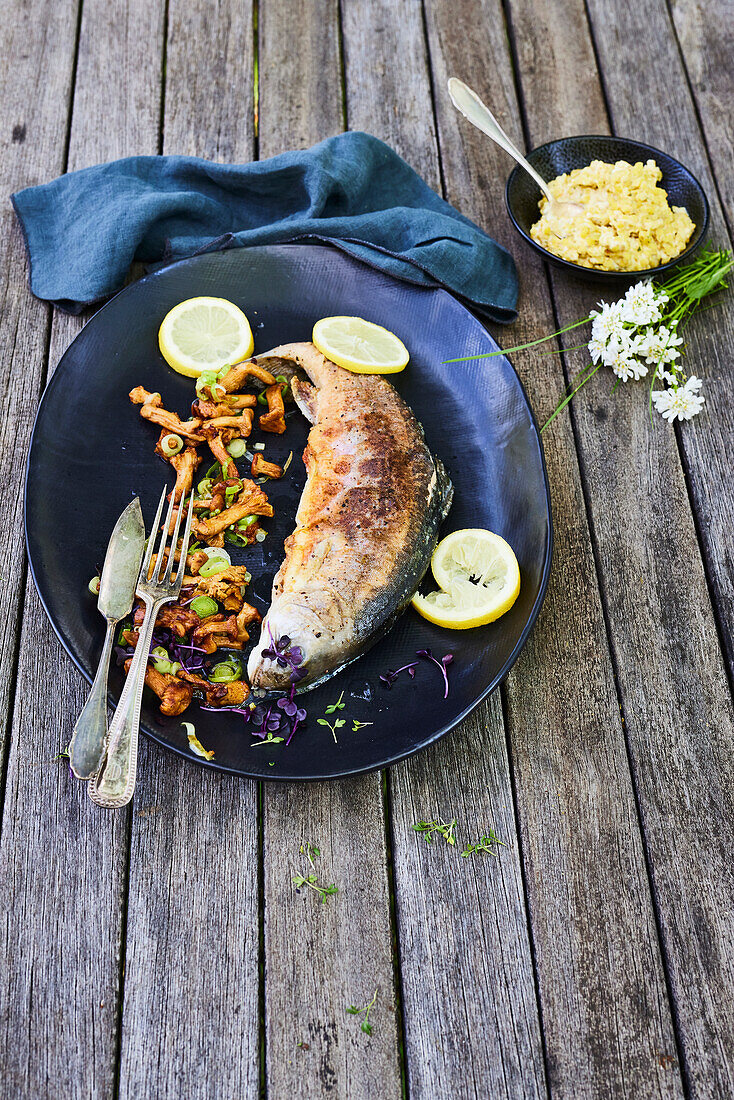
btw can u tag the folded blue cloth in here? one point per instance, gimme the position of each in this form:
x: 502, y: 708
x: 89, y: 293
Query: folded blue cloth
x: 83, y: 230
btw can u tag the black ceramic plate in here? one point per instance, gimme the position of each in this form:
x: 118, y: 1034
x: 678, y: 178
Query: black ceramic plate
x: 91, y: 452
x: 522, y: 194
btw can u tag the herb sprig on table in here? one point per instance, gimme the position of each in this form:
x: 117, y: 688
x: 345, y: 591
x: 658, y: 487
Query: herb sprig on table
x: 310, y: 880
x: 364, y: 1012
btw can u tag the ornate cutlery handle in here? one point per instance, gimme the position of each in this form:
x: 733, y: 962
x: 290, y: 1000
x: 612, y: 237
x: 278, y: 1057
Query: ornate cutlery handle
x: 115, y: 782
x: 88, y: 740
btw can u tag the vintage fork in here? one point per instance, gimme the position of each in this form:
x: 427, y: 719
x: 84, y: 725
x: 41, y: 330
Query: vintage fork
x: 115, y: 783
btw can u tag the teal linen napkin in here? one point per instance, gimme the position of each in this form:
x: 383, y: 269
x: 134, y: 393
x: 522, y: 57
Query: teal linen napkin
x: 83, y: 230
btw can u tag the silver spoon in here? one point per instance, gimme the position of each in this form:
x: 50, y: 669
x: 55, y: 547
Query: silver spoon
x: 471, y: 107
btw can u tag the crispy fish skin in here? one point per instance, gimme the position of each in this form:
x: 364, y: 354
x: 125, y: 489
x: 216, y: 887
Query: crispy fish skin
x: 366, y: 525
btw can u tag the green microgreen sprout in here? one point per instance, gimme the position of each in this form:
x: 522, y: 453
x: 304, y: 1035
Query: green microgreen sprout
x: 338, y: 722
x: 309, y: 850
x: 269, y: 740
x: 484, y: 844
x: 338, y: 705
x: 444, y: 828
x: 324, y: 892
x: 364, y: 1012
x: 359, y: 725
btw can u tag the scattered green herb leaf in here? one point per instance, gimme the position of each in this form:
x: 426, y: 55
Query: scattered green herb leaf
x: 337, y: 725
x: 364, y: 1012
x: 338, y: 705
x: 310, y: 880
x: 484, y: 844
x: 443, y: 828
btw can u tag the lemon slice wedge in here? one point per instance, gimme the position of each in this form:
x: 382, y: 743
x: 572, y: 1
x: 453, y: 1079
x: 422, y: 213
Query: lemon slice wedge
x: 478, y: 578
x: 359, y: 346
x: 204, y: 334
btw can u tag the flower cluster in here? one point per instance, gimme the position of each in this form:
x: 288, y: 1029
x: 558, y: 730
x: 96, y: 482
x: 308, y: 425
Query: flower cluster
x: 639, y: 336
x: 629, y: 336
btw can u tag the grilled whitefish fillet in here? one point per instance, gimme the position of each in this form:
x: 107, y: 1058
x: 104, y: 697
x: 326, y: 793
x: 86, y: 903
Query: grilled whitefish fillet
x: 366, y: 525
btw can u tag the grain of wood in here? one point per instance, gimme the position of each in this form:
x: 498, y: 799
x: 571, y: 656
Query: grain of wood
x: 640, y: 39
x: 39, y: 37
x: 209, y: 81
x: 64, y: 857
x: 671, y: 678
x: 706, y: 36
x: 190, y: 1009
x: 602, y: 992
x: 342, y: 951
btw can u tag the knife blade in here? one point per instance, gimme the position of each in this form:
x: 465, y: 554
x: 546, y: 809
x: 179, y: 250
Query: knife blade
x: 116, y: 594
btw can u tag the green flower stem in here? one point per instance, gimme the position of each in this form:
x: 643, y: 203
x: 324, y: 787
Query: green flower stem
x: 519, y: 347
x: 585, y: 376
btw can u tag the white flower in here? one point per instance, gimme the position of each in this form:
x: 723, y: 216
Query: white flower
x: 621, y: 359
x: 606, y: 322
x: 597, y: 348
x: 681, y: 403
x: 641, y: 304
x: 659, y: 345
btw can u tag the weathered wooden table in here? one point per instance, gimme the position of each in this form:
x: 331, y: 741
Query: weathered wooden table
x: 162, y: 951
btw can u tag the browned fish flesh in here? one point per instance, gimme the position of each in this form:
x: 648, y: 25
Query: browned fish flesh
x: 366, y: 525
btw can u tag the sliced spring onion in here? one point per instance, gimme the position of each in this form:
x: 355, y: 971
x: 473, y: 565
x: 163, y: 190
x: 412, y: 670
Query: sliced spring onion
x: 245, y: 522
x: 194, y: 742
x: 161, y: 659
x: 171, y: 444
x: 288, y: 461
x: 212, y: 567
x: 217, y: 391
x: 262, y: 399
x: 215, y: 472
x: 204, y: 606
x: 94, y: 584
x: 237, y: 448
x: 258, y: 446
x: 231, y: 492
x: 261, y: 535
x: 174, y: 667
x: 204, y: 487
x: 283, y: 383
x: 217, y: 552
x: 226, y: 672
x: 206, y: 378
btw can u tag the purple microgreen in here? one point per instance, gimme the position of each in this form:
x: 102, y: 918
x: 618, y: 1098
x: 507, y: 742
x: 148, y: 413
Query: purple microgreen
x: 441, y: 665
x: 391, y: 675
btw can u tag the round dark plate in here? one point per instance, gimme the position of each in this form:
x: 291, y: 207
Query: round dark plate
x: 522, y: 194
x: 91, y: 452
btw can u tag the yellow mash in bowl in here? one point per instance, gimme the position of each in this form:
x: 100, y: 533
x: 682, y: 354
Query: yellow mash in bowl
x: 627, y: 224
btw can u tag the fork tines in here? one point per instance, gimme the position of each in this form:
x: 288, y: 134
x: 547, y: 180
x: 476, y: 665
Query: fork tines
x: 162, y: 577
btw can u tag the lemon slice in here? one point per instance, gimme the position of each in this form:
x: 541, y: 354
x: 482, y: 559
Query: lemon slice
x: 204, y: 334
x: 478, y: 578
x: 360, y: 346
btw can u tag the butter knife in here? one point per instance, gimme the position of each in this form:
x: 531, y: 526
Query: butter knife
x: 116, y: 594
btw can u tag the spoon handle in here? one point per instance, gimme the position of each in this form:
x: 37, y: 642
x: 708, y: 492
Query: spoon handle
x: 478, y: 113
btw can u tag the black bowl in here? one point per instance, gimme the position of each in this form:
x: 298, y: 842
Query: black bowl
x: 522, y: 194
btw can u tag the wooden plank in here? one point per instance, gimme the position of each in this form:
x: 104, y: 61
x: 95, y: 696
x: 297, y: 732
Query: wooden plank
x: 32, y: 143
x: 63, y: 862
x: 675, y: 700
x: 604, y: 1013
x: 450, y: 989
x: 706, y: 444
x: 342, y: 952
x: 706, y: 37
x: 190, y: 1010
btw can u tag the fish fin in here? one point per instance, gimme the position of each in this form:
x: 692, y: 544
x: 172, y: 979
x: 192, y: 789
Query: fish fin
x: 304, y: 395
